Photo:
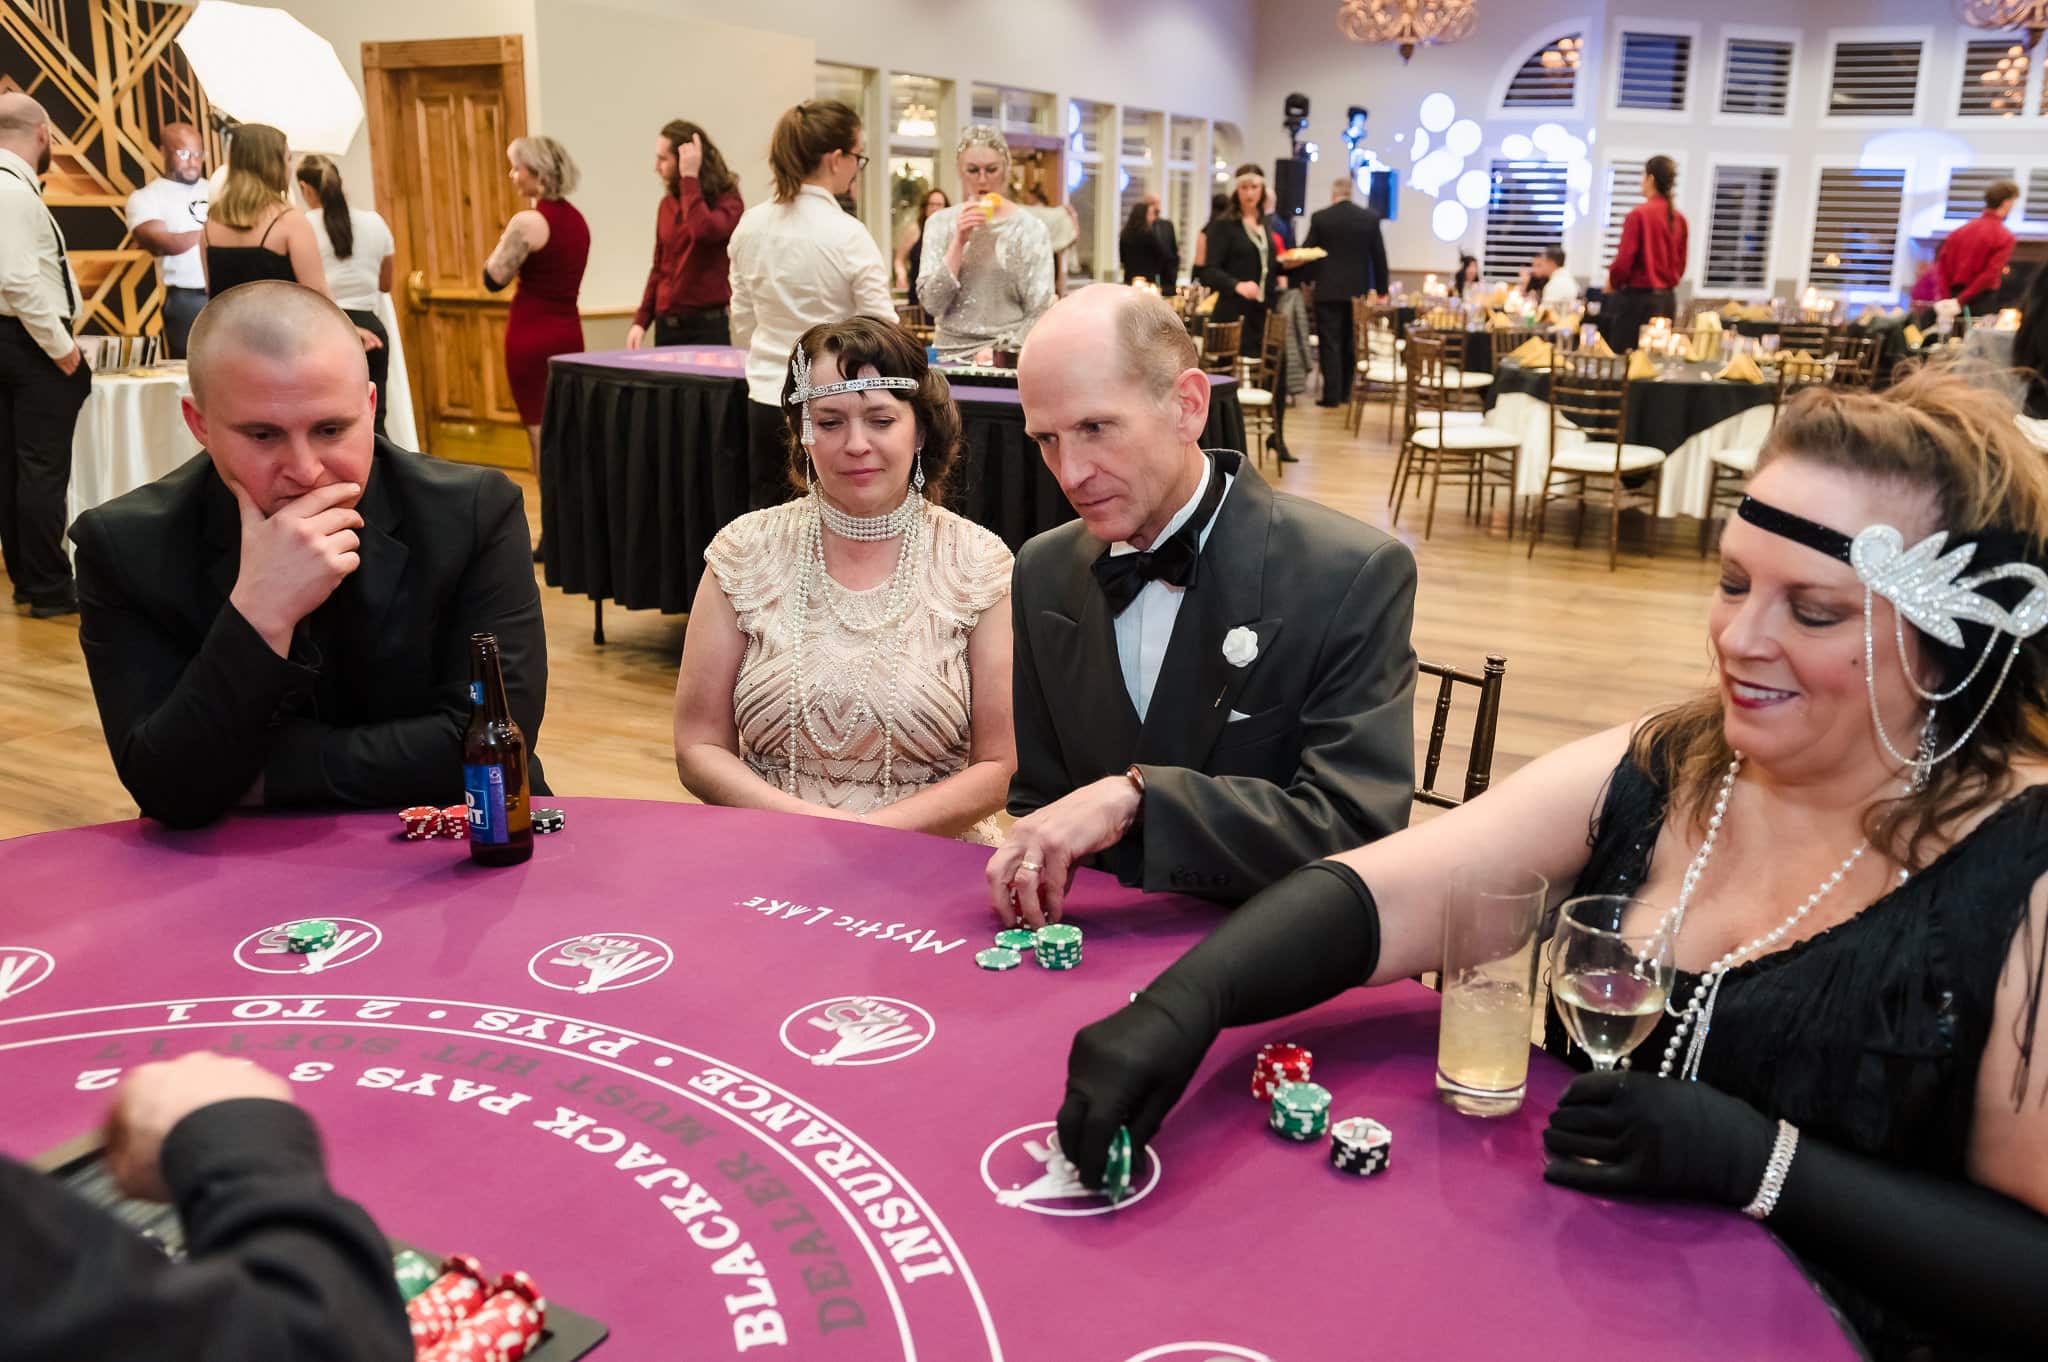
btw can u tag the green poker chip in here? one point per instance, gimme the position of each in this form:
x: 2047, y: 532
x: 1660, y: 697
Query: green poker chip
x: 313, y: 934
x: 1116, y: 1173
x: 1058, y: 946
x: 415, y: 1272
x: 1016, y: 938
x: 998, y: 958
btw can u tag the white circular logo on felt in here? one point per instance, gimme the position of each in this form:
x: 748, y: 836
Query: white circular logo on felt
x: 1199, y: 1352
x: 857, y: 1030
x: 1026, y: 1170
x: 22, y: 968
x: 269, y: 951
x: 598, y: 962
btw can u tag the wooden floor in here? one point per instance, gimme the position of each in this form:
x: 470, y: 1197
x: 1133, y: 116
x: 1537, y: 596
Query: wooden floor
x: 1585, y: 648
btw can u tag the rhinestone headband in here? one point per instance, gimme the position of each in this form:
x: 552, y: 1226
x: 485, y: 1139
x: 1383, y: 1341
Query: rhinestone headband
x: 803, y: 393
x: 1924, y: 585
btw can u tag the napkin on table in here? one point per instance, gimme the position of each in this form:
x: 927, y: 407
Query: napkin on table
x: 1533, y: 353
x: 1641, y: 368
x: 1600, y: 347
x: 1915, y: 337
x: 1742, y: 369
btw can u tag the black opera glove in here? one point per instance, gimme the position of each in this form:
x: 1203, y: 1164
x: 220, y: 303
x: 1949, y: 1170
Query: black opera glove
x: 1128, y: 1070
x: 1657, y: 1137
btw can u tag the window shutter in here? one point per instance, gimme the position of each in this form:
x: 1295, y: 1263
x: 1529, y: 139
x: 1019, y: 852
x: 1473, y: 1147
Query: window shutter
x: 1550, y: 78
x: 1654, y: 70
x: 1739, y: 227
x: 1875, y: 79
x: 1756, y: 77
x: 1856, y: 227
x: 2034, y: 203
x: 1966, y: 186
x: 1524, y: 213
x: 1624, y: 192
x: 1994, y: 79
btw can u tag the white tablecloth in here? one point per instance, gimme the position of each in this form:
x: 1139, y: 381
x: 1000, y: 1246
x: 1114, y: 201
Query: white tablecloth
x: 130, y: 432
x: 399, y: 426
x: 1686, y: 472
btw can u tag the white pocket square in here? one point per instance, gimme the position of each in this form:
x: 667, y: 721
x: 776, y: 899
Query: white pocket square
x: 1236, y: 716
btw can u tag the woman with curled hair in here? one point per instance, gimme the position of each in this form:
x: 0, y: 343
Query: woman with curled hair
x: 1643, y: 277
x: 545, y: 248
x: 689, y: 284
x: 1848, y: 838
x: 849, y: 651
x: 798, y: 262
x: 987, y: 272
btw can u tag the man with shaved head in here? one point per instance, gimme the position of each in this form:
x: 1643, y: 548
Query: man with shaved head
x: 285, y: 619
x: 165, y: 217
x: 1213, y: 680
x: 43, y: 376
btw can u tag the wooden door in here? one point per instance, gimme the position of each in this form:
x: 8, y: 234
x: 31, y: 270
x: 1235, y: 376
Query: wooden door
x: 441, y: 114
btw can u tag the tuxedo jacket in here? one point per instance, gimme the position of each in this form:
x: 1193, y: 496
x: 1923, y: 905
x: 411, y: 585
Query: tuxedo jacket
x: 370, y: 707
x: 1357, y: 263
x: 1250, y: 771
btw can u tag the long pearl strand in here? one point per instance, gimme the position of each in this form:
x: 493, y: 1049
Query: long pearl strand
x: 1698, y: 1016
x: 906, y: 521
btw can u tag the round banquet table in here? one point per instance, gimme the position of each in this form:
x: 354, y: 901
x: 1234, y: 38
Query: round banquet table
x: 778, y: 1097
x: 131, y: 431
x: 644, y: 458
x: 1688, y: 413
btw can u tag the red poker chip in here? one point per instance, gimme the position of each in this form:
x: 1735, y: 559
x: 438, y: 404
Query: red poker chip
x: 453, y: 821
x: 420, y: 822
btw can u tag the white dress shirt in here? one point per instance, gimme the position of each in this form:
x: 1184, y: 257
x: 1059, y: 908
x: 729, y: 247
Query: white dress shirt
x: 1146, y: 625
x: 179, y: 207
x: 1560, y: 290
x: 36, y: 283
x: 795, y: 265
x: 354, y: 280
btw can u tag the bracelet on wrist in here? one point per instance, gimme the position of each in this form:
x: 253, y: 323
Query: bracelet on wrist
x: 1775, y: 1168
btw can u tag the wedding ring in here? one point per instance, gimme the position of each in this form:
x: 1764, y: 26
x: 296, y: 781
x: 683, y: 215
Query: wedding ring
x: 1032, y: 866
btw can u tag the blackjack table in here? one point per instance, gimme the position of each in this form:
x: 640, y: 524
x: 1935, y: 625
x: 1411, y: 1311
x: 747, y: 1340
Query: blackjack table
x: 732, y: 1084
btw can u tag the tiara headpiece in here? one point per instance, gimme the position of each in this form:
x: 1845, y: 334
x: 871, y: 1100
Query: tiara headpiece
x: 801, y: 394
x: 1927, y: 586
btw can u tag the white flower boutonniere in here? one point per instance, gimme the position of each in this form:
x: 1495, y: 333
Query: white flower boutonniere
x: 1240, y: 647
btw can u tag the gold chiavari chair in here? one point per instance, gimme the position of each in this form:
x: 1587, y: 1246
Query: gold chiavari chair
x: 1220, y: 341
x: 1856, y: 360
x: 1589, y: 451
x: 1440, y: 445
x: 1812, y: 337
x: 1259, y: 396
x: 1479, y: 762
x: 1379, y: 367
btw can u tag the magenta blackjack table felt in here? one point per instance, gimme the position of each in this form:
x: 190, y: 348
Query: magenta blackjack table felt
x: 732, y: 1083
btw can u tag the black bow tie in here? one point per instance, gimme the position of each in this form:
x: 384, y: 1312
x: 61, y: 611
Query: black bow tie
x: 1174, y: 560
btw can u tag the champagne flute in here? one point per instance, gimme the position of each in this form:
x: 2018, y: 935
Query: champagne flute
x: 1611, y: 971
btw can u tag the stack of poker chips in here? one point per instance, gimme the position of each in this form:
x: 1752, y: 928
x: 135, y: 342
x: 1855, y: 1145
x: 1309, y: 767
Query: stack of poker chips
x: 1360, y: 1146
x: 1117, y: 1170
x: 421, y: 822
x: 1058, y: 946
x: 1301, y: 1111
x: 437, y: 1311
x: 549, y: 820
x: 504, y: 1328
x: 1277, y: 1064
x: 313, y: 934
x: 415, y: 1272
x: 455, y: 821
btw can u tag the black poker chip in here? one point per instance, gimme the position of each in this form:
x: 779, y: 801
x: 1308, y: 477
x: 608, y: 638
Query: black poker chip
x: 549, y: 820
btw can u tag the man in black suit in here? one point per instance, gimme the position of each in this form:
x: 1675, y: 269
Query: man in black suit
x: 1356, y: 265
x: 1169, y: 242
x: 285, y: 619
x: 1212, y: 680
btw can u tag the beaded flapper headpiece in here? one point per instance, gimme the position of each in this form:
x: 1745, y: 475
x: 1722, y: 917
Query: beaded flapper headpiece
x: 1924, y: 585
x: 803, y: 392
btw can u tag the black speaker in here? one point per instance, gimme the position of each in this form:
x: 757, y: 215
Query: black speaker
x: 1384, y: 198
x: 1290, y: 186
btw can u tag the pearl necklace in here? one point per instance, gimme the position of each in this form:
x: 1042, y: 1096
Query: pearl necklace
x: 907, y: 520
x: 1698, y: 1017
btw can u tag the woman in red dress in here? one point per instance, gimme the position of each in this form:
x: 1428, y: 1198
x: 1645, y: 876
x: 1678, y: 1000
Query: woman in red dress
x: 545, y: 248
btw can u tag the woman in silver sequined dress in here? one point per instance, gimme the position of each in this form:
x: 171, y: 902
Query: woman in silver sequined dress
x: 987, y: 272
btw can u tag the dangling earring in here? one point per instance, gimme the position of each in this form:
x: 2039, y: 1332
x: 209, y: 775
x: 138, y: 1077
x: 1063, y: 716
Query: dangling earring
x: 1923, y: 760
x: 917, y: 472
x: 810, y: 473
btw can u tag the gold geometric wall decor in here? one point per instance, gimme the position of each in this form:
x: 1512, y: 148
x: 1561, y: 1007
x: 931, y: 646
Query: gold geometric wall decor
x: 111, y: 77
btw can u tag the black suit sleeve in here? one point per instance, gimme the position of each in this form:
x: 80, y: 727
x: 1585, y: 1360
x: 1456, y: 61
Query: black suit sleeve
x: 1356, y: 773
x: 1039, y: 779
x: 1377, y: 249
x: 403, y: 760
x: 189, y: 733
x: 1216, y: 274
x: 280, y: 1266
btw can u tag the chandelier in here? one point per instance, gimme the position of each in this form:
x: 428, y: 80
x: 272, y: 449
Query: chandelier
x: 1409, y: 24
x: 2003, y: 16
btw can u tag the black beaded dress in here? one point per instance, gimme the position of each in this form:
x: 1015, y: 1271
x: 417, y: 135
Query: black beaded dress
x: 1868, y: 1035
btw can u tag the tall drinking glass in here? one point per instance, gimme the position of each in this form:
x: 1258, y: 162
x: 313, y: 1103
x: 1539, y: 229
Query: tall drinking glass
x: 1610, y: 972
x: 1489, y: 983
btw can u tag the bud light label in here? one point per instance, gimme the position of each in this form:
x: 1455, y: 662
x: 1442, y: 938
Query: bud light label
x: 476, y: 692
x: 483, y: 793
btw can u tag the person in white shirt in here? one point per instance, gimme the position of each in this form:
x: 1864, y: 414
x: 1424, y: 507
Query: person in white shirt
x: 355, y: 249
x: 165, y: 217
x: 44, y: 378
x: 796, y: 263
x: 1547, y: 272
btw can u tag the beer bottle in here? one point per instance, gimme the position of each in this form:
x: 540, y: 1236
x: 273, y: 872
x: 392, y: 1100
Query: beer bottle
x: 494, y: 765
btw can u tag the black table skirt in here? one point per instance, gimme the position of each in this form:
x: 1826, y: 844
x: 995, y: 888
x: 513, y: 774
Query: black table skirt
x: 639, y: 472
x: 1662, y: 415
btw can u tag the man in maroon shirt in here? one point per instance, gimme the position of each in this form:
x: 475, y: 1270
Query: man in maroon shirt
x: 687, y: 289
x: 1643, y: 278
x: 1972, y: 260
